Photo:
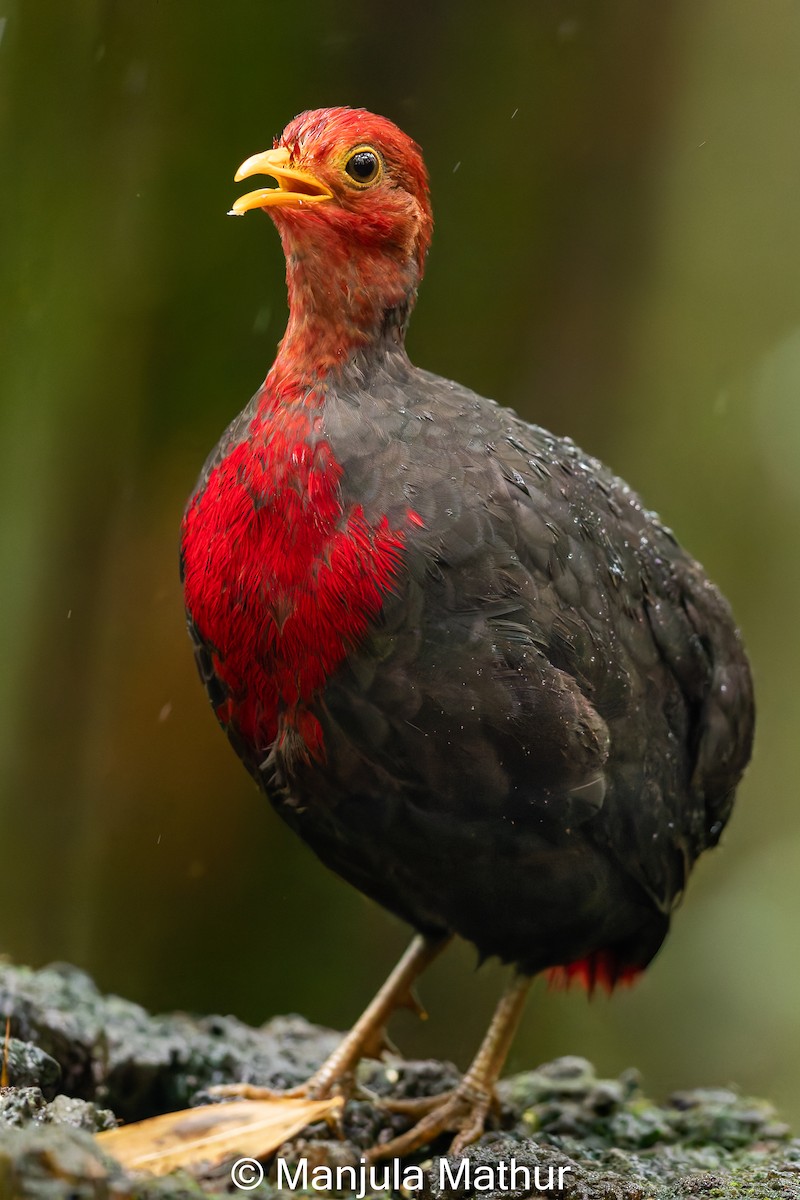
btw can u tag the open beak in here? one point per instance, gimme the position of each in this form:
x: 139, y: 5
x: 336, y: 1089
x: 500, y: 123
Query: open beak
x: 295, y: 188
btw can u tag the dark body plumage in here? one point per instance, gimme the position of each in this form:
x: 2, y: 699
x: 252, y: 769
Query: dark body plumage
x: 544, y: 726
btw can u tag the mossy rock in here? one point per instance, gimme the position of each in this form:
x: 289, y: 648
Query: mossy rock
x: 78, y: 1061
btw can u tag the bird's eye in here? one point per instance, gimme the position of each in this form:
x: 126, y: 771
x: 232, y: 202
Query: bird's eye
x: 363, y: 166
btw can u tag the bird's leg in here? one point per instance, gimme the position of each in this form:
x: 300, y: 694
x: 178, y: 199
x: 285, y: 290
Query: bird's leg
x: 365, y: 1038
x: 463, y: 1111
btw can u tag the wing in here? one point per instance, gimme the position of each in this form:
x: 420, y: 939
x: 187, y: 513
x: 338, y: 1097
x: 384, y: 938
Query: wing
x: 551, y: 643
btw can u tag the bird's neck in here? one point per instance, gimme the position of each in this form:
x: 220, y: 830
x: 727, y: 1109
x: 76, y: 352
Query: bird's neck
x: 342, y: 303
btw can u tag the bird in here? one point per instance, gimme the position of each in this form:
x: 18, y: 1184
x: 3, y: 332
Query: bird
x: 464, y: 662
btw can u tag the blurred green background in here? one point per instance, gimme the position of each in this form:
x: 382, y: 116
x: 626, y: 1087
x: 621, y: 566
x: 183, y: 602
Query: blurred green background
x: 617, y: 193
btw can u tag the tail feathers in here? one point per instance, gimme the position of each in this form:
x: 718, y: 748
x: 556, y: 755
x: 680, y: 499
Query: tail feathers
x: 601, y: 969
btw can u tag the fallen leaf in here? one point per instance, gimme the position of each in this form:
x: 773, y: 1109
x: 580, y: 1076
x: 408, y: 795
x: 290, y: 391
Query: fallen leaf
x: 213, y: 1132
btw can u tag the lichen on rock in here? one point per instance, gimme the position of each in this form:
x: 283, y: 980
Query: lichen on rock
x: 79, y: 1061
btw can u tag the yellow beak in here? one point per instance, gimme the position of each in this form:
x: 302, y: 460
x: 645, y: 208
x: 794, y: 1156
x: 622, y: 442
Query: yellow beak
x: 295, y: 188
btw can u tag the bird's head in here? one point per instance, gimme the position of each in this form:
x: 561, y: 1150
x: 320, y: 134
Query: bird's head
x: 352, y: 208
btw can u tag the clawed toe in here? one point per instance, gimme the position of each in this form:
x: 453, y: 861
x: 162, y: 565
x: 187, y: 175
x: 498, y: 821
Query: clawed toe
x: 462, y: 1111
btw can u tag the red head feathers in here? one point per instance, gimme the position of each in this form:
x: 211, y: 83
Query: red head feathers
x: 354, y: 216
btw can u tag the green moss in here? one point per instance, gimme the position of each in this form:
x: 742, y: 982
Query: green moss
x: 78, y: 1058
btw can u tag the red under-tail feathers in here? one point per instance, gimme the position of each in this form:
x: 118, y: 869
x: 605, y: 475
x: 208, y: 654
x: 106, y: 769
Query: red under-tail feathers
x: 600, y: 969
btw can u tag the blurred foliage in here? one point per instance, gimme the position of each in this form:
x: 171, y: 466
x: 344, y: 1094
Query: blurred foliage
x: 616, y: 256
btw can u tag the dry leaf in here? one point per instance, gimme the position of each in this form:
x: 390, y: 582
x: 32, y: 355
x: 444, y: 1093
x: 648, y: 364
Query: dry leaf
x: 213, y: 1132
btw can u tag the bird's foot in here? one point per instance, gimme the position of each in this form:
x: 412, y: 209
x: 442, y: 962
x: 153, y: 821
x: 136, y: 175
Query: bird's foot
x: 367, y: 1038
x: 462, y: 1111
x: 329, y: 1081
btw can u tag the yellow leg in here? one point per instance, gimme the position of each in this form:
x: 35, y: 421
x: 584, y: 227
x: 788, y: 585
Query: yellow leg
x: 464, y: 1110
x: 364, y: 1038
